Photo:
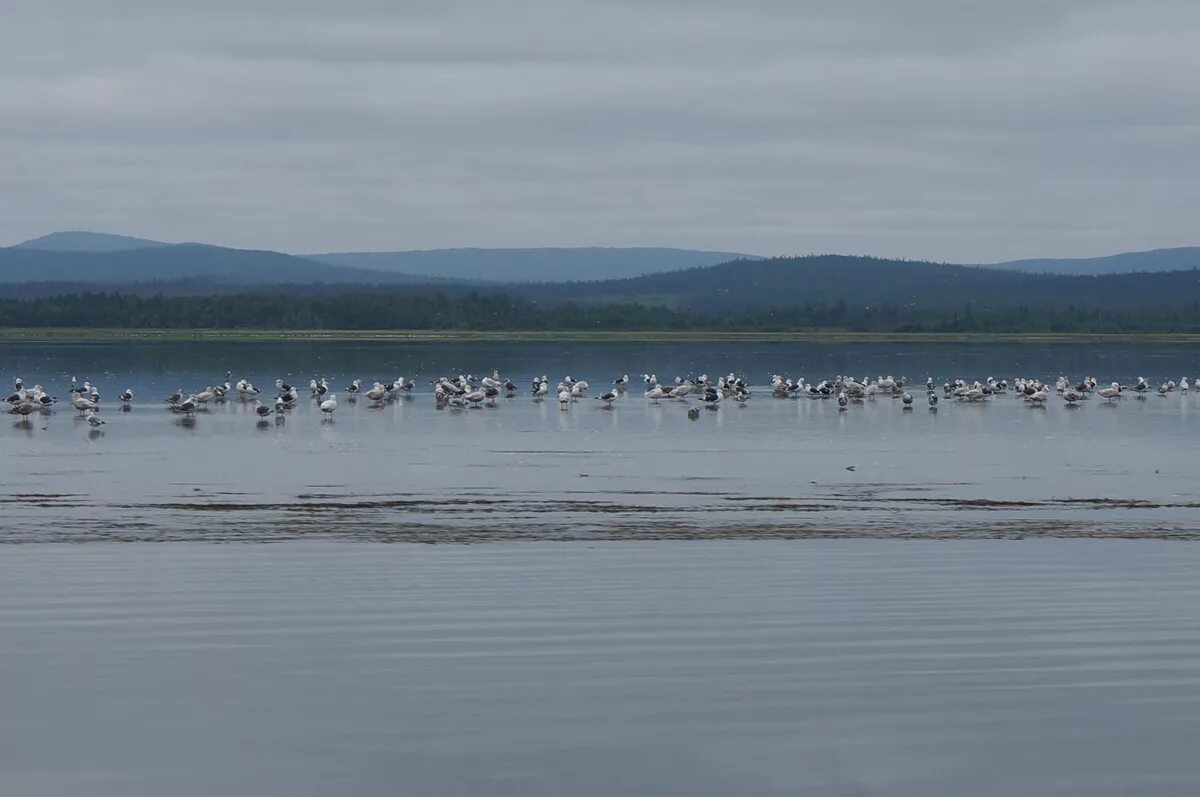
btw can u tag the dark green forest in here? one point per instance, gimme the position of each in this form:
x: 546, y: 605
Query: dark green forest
x: 384, y: 309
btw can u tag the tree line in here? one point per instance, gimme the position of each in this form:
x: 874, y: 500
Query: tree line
x: 384, y: 309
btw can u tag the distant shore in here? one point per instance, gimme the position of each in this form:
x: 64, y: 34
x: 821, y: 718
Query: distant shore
x: 79, y: 334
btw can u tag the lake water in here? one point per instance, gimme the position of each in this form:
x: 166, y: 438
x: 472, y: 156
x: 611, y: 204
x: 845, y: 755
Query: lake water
x: 823, y: 667
x: 777, y: 467
x: 588, y: 649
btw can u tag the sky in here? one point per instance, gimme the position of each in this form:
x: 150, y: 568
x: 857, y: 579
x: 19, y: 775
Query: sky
x: 958, y: 130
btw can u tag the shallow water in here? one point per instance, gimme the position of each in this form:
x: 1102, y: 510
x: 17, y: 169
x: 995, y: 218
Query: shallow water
x: 850, y: 667
x: 525, y: 470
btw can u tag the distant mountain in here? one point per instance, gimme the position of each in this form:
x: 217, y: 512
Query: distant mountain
x: 80, y: 241
x: 745, y: 285
x: 1181, y: 258
x: 530, y: 265
x: 180, y: 261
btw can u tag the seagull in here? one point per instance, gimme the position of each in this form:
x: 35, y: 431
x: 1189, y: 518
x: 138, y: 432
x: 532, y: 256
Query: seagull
x: 127, y: 396
x: 261, y: 409
x: 354, y: 386
x: 693, y: 413
x: 94, y: 421
x: 83, y: 405
x: 608, y: 398
x: 907, y: 399
x: 564, y: 399
x: 24, y: 409
x: 842, y: 401
x: 329, y: 405
x: 621, y: 381
x: 175, y: 397
x: 655, y: 393
x: 1110, y: 393
x: 933, y: 400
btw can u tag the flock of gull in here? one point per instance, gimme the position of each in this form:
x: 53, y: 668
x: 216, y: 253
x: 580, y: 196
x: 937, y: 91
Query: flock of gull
x: 467, y: 392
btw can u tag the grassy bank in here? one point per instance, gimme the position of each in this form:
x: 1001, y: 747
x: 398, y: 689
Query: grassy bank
x: 65, y: 334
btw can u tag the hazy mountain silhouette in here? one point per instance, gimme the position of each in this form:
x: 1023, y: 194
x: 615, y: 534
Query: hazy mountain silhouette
x: 554, y: 264
x: 178, y: 261
x: 491, y: 265
x: 1178, y: 259
x: 82, y: 241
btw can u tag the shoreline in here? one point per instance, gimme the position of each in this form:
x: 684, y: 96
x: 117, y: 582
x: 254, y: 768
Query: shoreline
x: 85, y: 335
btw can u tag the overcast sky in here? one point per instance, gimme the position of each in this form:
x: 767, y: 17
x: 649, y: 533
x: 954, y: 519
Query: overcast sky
x: 967, y: 130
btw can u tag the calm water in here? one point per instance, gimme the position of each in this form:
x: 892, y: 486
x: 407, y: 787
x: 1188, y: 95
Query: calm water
x: 853, y: 667
x: 524, y: 470
x: 624, y: 664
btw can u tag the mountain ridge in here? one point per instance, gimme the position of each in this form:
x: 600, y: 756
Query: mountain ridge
x: 1151, y: 260
x: 472, y: 264
x: 531, y: 264
x: 86, y: 241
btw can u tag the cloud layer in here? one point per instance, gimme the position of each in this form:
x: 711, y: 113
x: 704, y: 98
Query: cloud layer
x: 929, y: 128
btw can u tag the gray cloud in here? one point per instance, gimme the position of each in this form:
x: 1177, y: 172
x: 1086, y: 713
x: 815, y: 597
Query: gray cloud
x: 945, y: 129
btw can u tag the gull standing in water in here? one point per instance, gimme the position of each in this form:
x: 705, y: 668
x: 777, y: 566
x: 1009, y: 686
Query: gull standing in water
x: 608, y: 398
x: 329, y: 405
x: 83, y: 405
x: 377, y: 393
x: 24, y: 409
